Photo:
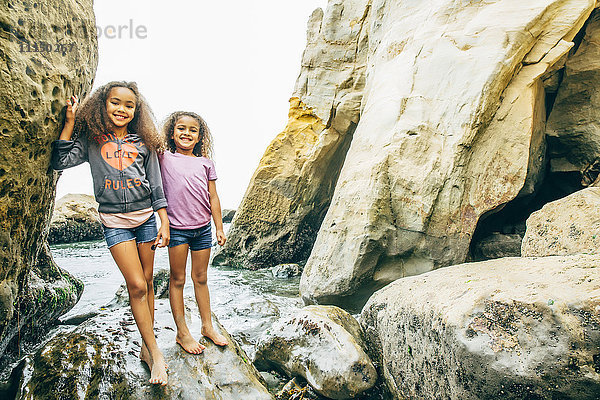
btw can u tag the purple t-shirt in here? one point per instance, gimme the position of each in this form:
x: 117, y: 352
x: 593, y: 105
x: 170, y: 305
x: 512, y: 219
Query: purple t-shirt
x: 185, y: 182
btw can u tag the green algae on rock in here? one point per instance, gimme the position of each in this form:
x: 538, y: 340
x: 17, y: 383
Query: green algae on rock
x: 99, y: 359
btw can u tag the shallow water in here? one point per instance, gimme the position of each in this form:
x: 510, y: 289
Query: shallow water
x: 245, y: 302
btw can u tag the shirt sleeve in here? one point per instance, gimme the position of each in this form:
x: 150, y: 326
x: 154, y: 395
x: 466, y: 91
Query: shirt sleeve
x: 155, y: 180
x: 69, y: 153
x: 212, y: 173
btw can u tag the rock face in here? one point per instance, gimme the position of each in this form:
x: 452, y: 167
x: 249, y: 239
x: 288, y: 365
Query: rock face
x: 107, y: 348
x: 574, y: 123
x: 512, y: 328
x: 451, y: 128
x: 567, y: 226
x: 75, y: 219
x: 228, y: 215
x: 290, y: 191
x: 35, y: 84
x: 498, y: 245
x: 323, y: 344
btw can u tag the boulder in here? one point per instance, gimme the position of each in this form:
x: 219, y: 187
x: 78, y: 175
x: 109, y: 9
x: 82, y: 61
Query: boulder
x: 567, y: 226
x: 35, y: 86
x: 498, y: 245
x: 75, y: 219
x: 228, y: 215
x: 322, y: 344
x: 511, y: 328
x: 573, y: 127
x: 286, y: 270
x: 99, y: 359
x: 451, y: 129
x: 289, y: 193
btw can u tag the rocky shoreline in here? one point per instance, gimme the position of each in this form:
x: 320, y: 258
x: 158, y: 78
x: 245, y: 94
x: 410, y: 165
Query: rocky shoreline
x: 421, y: 139
x: 75, y: 219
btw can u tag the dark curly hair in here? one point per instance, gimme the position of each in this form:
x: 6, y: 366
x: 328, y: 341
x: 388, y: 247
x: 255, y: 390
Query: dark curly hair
x: 203, y: 148
x: 91, y: 118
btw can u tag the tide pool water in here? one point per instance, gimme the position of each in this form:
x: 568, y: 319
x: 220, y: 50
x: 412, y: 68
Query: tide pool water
x: 245, y: 302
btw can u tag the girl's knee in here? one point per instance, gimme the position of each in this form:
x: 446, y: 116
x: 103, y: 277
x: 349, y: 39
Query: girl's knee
x: 137, y: 290
x: 177, y: 281
x: 200, y: 278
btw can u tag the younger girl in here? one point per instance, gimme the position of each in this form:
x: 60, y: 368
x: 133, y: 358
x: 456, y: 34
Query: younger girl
x: 189, y: 182
x: 117, y: 136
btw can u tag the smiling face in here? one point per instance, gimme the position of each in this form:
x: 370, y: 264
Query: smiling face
x: 120, y: 106
x: 186, y: 134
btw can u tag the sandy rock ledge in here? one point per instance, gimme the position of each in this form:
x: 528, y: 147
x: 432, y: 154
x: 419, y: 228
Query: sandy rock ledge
x: 511, y: 328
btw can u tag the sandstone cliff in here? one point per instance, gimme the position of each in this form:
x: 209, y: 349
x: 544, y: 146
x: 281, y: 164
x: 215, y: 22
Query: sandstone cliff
x: 48, y: 52
x: 290, y: 191
x: 445, y: 105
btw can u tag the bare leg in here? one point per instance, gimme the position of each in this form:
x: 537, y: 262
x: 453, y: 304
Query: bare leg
x: 200, y: 260
x: 147, y: 259
x: 127, y: 258
x: 177, y: 261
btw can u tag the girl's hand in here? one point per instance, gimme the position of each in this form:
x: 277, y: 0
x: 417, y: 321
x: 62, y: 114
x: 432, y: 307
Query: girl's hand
x: 163, y: 236
x: 72, y: 105
x: 221, y: 239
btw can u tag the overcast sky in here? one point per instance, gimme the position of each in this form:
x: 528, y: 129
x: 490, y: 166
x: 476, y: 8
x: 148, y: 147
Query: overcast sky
x: 234, y: 63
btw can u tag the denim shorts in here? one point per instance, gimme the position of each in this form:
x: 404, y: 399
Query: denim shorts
x: 146, y: 232
x: 198, y: 239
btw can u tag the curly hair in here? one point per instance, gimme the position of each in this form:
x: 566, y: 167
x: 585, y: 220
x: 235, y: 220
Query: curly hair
x: 203, y: 148
x: 91, y: 118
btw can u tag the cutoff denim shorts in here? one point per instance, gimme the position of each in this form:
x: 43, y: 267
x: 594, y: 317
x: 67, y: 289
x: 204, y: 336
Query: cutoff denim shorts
x: 198, y: 239
x: 144, y: 233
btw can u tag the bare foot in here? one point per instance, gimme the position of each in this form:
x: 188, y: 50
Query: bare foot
x: 215, y: 336
x: 158, y: 372
x: 145, y: 356
x: 189, y: 344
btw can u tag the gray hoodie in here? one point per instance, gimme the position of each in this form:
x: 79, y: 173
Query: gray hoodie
x: 125, y: 172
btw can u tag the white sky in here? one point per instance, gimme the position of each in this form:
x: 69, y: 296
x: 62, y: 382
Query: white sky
x: 234, y: 63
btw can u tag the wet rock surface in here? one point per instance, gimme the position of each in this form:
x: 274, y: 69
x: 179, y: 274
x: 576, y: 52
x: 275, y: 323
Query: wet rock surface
x: 283, y: 271
x: 99, y: 359
x: 511, y: 328
x: 566, y: 226
x: 322, y: 344
x: 75, y: 219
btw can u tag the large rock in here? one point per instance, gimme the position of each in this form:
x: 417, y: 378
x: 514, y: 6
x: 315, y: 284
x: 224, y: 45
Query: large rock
x: 574, y: 123
x: 451, y: 128
x: 75, y: 219
x: 99, y: 359
x: 290, y: 191
x: 567, y: 226
x: 497, y: 245
x: 513, y: 328
x: 324, y: 345
x: 34, y: 87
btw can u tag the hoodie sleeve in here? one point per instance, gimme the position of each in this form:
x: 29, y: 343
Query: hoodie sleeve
x: 155, y: 180
x: 69, y: 153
